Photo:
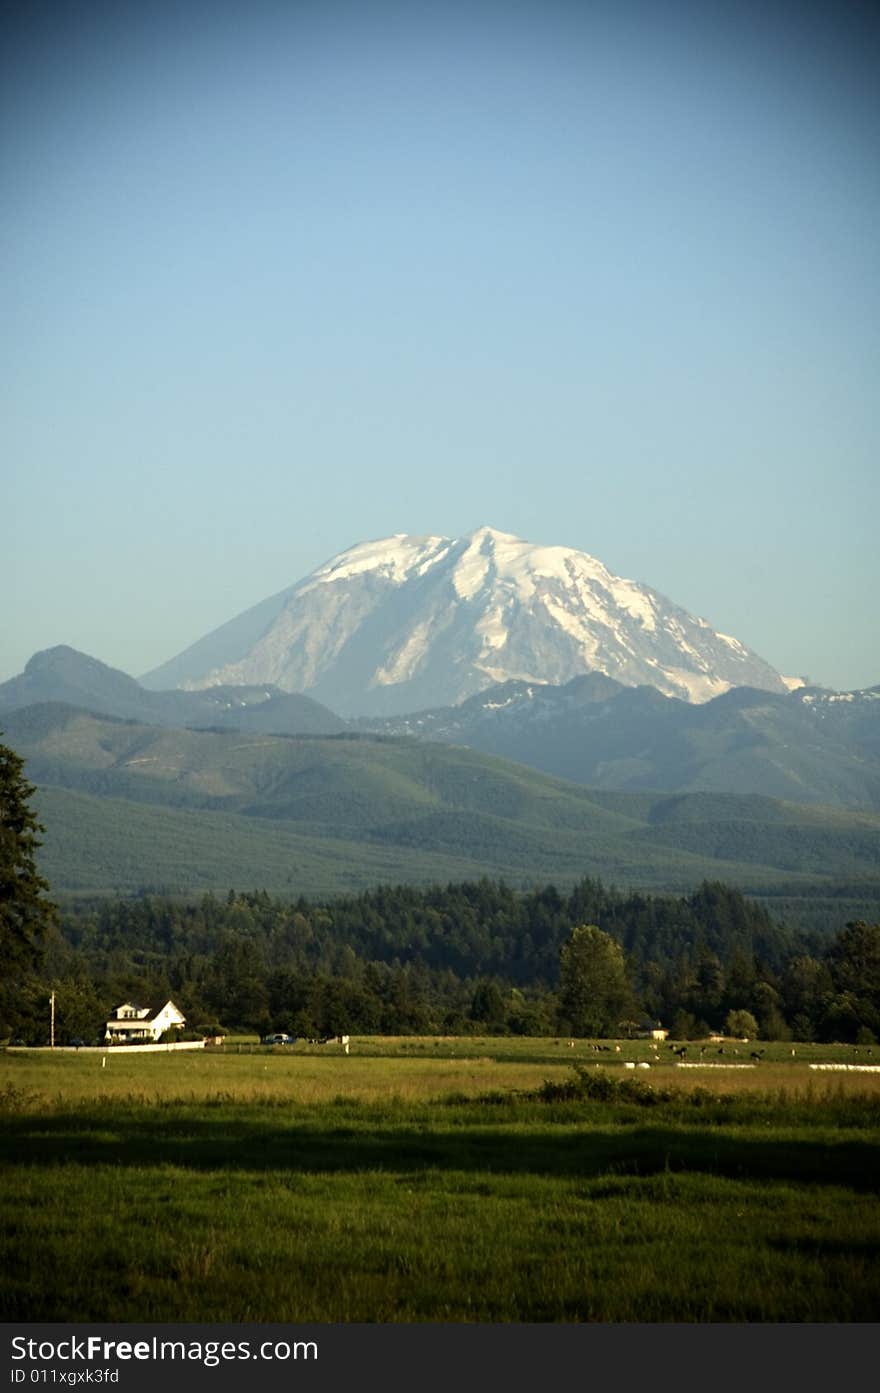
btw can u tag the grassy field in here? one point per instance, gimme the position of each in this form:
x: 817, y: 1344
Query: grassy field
x: 438, y: 1180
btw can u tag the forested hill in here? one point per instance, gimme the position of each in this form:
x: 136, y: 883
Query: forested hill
x: 129, y: 806
x: 808, y: 746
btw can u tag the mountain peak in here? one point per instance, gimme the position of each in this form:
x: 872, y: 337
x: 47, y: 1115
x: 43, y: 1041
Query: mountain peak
x: 413, y: 621
x: 65, y: 664
x: 392, y: 558
x: 491, y: 535
x: 60, y: 656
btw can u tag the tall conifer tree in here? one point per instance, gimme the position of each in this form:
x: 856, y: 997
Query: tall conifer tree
x: 25, y: 911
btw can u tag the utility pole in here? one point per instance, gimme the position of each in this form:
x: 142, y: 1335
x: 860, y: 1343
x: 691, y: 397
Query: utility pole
x: 52, y: 1021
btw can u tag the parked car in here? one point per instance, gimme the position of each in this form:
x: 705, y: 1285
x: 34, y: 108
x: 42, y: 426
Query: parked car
x: 278, y: 1039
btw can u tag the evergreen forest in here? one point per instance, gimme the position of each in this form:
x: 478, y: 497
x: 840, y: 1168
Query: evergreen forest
x: 465, y: 958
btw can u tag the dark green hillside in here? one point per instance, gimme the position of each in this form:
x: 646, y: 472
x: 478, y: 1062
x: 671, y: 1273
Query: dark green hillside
x: 105, y: 846
x: 755, y: 829
x: 807, y: 747
x: 359, y: 783
x: 187, y: 810
x: 793, y: 847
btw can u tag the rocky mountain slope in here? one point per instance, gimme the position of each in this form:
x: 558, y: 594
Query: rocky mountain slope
x: 405, y: 622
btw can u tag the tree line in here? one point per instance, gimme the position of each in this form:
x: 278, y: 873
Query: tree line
x: 471, y: 957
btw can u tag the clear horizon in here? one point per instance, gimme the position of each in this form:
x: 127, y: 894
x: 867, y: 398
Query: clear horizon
x: 284, y: 278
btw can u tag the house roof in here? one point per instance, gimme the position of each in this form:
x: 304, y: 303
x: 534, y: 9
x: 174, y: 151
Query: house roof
x: 152, y: 1012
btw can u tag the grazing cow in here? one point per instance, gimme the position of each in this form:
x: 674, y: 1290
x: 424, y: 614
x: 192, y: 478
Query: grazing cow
x: 756, y: 1055
x: 681, y: 1052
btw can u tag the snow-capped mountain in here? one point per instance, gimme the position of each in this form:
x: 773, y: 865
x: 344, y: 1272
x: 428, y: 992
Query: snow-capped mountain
x: 408, y: 622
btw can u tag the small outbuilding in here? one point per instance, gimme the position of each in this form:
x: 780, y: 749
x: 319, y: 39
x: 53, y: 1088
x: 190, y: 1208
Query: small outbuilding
x: 133, y: 1024
x: 652, y: 1030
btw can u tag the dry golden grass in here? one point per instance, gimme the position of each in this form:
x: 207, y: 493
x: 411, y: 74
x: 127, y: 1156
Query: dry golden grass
x: 72, y: 1079
x: 409, y: 1069
x: 789, y: 1081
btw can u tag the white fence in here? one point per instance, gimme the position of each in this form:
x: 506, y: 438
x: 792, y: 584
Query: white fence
x: 851, y: 1068
x: 710, y: 1064
x: 113, y: 1049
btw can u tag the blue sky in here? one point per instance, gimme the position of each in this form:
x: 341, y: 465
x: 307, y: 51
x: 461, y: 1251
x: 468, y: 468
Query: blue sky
x: 278, y: 278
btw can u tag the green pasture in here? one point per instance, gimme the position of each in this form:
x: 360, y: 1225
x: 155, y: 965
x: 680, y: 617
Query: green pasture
x: 417, y: 1069
x: 437, y: 1180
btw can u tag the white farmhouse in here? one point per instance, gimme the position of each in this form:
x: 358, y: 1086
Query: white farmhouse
x: 133, y: 1024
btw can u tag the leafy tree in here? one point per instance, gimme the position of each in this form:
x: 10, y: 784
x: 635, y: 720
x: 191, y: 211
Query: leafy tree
x: 79, y: 1012
x: 593, y: 989
x: 741, y: 978
x: 709, y: 986
x: 774, y: 1026
x: 685, y: 1026
x: 741, y: 1024
x: 25, y: 912
x: 806, y: 988
x: 488, y: 1005
x: 237, y: 988
x: 854, y: 961
x: 767, y: 1010
x: 841, y: 1019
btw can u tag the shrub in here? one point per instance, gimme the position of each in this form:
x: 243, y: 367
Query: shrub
x: 598, y: 1087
